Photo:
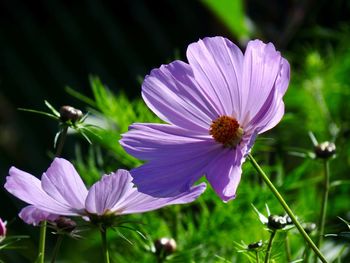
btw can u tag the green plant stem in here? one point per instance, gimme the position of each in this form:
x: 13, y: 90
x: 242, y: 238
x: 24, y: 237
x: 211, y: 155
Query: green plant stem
x: 61, y: 141
x: 322, y: 219
x: 288, y: 252
x: 42, y: 238
x: 257, y: 256
x: 41, y: 256
x: 56, y: 248
x: 104, y: 244
x: 286, y: 208
x: 269, y: 247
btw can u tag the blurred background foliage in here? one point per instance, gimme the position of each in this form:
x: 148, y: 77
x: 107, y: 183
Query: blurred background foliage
x: 48, y: 50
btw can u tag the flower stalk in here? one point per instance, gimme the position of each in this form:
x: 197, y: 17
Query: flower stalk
x: 269, y: 246
x: 104, y: 244
x: 56, y: 248
x: 322, y: 219
x: 42, y: 240
x: 286, y: 208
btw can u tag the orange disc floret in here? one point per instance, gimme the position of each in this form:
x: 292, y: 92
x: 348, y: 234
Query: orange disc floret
x: 226, y: 130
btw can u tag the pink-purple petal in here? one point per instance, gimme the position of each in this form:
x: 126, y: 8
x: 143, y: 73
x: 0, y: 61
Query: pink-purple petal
x: 33, y: 216
x: 175, y: 174
x: 217, y: 64
x: 261, y: 66
x: 62, y: 182
x: 139, y: 202
x: 149, y: 141
x: 224, y: 173
x: 172, y: 93
x: 108, y: 191
x: 28, y: 188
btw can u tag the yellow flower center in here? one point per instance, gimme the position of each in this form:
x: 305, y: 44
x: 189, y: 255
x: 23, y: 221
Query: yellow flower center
x: 226, y: 130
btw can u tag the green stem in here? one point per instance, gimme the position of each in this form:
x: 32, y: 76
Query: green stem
x: 42, y: 238
x: 257, y: 256
x: 286, y: 208
x: 324, y: 203
x: 269, y: 247
x: 61, y: 141
x: 288, y: 252
x: 41, y: 256
x: 104, y: 244
x: 56, y: 248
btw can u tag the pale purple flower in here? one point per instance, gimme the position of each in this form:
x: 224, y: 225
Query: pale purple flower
x: 33, y: 216
x: 3, y: 230
x: 61, y: 191
x: 215, y: 105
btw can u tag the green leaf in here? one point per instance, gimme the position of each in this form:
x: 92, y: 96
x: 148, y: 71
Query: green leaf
x: 231, y: 13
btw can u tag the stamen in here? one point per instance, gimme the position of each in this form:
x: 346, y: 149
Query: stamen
x: 226, y: 130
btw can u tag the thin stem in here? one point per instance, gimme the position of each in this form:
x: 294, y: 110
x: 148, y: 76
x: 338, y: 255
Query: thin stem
x: 56, y: 248
x: 257, y: 256
x: 288, y: 252
x: 323, y: 213
x: 269, y: 247
x: 61, y: 141
x: 104, y: 244
x: 41, y: 256
x: 286, y: 208
x: 42, y: 238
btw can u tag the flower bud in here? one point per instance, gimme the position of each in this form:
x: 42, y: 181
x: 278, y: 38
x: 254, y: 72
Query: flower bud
x: 255, y: 245
x: 165, y: 246
x: 325, y: 150
x: 68, y: 113
x: 3, y: 229
x: 309, y: 227
x: 65, y: 224
x: 276, y: 222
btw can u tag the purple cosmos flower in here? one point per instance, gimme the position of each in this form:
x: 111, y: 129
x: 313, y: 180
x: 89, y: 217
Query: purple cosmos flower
x: 33, y: 216
x: 215, y: 105
x: 3, y: 230
x: 61, y: 191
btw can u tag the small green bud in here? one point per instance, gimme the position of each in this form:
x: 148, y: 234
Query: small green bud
x: 65, y: 224
x: 276, y: 222
x: 309, y: 227
x: 325, y: 150
x: 255, y: 245
x: 69, y: 113
x: 165, y: 246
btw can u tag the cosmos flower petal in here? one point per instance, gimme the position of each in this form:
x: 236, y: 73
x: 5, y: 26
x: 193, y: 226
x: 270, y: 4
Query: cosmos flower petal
x: 62, y: 182
x: 172, y: 93
x: 33, y: 216
x: 28, y: 188
x: 217, y: 66
x: 104, y: 194
x: 224, y: 174
x: 139, y: 202
x: 176, y: 174
x: 149, y: 141
x: 261, y: 67
x: 271, y: 113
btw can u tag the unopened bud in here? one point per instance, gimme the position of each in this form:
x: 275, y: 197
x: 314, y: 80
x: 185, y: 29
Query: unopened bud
x: 325, y: 150
x: 276, y: 222
x: 65, y: 224
x: 255, y: 245
x: 165, y: 246
x: 3, y: 229
x: 309, y: 227
x: 69, y: 113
